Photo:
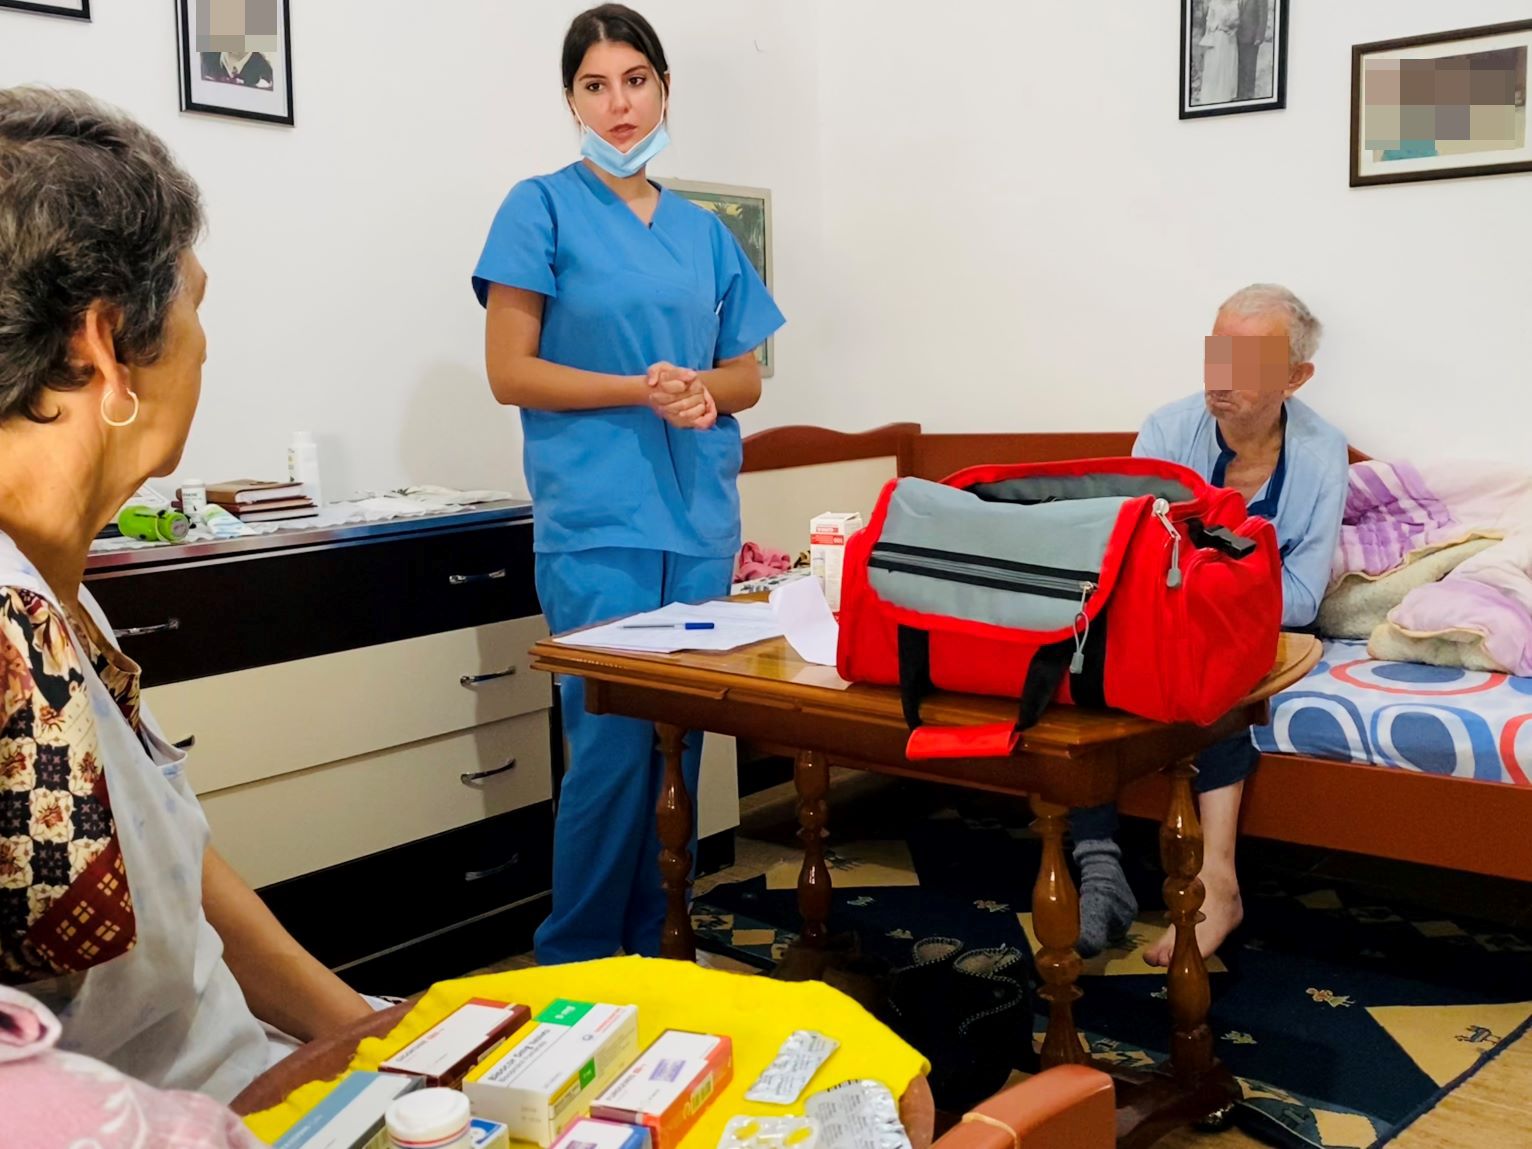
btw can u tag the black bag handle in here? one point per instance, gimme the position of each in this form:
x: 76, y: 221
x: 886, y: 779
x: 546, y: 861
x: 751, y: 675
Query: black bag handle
x: 1045, y: 672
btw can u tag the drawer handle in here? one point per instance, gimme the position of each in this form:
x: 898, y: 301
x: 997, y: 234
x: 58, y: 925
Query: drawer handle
x: 186, y: 743
x: 480, y: 875
x: 462, y: 580
x: 472, y: 680
x: 140, y: 631
x: 480, y: 775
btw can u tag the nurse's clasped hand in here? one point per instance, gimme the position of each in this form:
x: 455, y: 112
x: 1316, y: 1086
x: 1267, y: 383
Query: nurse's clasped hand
x: 679, y: 397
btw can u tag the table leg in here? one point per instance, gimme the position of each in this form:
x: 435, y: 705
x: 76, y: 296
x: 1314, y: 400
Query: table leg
x: 1191, y: 1041
x: 1056, y: 918
x: 811, y: 776
x: 674, y: 815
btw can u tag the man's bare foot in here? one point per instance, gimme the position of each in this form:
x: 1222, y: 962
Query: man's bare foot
x: 1224, y: 911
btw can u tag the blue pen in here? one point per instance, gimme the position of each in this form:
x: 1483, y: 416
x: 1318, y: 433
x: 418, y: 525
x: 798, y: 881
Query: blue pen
x: 667, y: 626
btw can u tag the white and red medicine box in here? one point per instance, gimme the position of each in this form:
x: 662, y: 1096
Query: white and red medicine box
x: 827, y: 549
x: 445, y: 1053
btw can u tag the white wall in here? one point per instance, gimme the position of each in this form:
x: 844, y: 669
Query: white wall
x: 987, y: 216
x: 340, y: 250
x: 1021, y: 234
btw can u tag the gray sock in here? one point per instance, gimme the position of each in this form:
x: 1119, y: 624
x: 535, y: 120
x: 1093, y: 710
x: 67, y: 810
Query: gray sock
x: 1107, y: 904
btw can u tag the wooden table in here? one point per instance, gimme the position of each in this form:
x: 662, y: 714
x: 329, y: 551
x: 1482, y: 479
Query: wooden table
x: 1072, y: 758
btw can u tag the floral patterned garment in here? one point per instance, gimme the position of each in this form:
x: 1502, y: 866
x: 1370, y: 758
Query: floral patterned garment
x: 64, y: 899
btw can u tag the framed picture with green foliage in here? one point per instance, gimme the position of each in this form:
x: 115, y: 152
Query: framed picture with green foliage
x: 746, y: 212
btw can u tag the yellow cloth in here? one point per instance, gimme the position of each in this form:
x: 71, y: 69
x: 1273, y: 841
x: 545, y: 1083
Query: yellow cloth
x: 756, y: 1012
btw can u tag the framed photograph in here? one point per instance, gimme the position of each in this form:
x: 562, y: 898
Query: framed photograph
x: 75, y: 9
x: 1442, y: 106
x: 1233, y: 57
x: 746, y: 212
x: 236, y: 58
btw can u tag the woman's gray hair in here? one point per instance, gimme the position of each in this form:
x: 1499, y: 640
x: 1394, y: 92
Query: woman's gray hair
x: 92, y: 207
x: 1303, y: 329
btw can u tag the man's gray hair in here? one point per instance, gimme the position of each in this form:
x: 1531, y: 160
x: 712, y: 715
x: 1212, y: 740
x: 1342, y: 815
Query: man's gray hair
x: 92, y: 208
x: 1303, y: 329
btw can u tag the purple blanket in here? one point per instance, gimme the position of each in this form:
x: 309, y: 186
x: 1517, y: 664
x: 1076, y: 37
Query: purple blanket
x: 1394, y: 511
x: 1390, y: 512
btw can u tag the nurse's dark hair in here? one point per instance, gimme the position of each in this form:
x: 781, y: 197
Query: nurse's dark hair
x: 616, y: 22
x: 93, y: 208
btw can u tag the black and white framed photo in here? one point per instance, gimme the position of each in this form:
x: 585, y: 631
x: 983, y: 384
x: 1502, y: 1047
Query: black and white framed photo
x: 236, y: 58
x: 1233, y: 57
x: 75, y: 9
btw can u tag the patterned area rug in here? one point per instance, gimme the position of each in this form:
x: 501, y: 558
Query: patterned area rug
x: 1341, y: 1017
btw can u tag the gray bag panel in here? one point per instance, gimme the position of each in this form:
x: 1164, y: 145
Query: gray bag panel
x: 971, y: 603
x: 1035, y: 556
x: 1056, y: 488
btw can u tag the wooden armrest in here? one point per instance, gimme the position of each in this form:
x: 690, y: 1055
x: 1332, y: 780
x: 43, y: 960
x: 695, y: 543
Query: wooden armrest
x: 319, y: 1060
x: 1067, y: 1107
x: 917, y: 1112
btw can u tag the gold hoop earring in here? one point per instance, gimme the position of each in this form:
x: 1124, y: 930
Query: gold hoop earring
x: 110, y: 422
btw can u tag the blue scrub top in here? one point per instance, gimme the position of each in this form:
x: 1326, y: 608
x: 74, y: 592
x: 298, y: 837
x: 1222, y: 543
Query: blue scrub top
x: 620, y: 297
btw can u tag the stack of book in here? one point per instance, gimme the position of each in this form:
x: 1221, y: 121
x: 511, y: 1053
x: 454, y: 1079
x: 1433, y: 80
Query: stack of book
x: 254, y: 501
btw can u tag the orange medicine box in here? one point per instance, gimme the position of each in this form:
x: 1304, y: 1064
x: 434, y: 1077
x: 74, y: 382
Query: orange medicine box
x: 669, y: 1085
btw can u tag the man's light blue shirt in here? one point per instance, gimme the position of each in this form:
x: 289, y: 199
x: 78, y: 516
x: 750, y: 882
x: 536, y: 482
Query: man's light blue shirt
x: 1311, y: 477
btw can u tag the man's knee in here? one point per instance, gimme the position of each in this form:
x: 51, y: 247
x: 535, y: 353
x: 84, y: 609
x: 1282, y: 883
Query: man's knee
x: 1226, y: 763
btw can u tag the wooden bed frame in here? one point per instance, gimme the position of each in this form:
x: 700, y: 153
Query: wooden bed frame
x: 1455, y: 823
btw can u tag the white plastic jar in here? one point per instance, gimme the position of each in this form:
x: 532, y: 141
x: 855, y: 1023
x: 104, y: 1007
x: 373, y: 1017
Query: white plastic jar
x: 430, y: 1119
x: 193, y: 499
x: 303, y: 465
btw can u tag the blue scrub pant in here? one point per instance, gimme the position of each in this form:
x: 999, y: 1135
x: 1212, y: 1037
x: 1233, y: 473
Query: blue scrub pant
x: 606, y: 872
x: 1221, y: 764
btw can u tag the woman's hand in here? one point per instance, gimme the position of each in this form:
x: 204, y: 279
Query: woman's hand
x: 678, y: 396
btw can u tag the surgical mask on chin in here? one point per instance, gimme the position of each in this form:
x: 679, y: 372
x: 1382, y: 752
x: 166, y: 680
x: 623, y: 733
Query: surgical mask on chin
x: 606, y: 156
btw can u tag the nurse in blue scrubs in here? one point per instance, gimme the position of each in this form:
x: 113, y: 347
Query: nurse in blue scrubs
x: 623, y: 321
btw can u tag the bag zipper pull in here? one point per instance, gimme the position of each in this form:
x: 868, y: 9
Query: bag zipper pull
x: 1161, y: 511
x: 1077, y: 662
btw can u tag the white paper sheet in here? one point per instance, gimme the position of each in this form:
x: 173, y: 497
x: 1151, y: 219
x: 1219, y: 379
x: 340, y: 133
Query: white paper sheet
x: 805, y: 618
x: 735, y: 624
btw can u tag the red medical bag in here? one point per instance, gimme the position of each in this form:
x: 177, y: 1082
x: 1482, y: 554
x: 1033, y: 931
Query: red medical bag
x: 1126, y: 583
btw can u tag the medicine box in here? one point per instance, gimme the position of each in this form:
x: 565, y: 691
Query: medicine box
x: 670, y: 1085
x: 351, y: 1116
x: 587, y: 1133
x: 488, y: 1134
x: 445, y: 1053
x: 545, y: 1077
x: 827, y: 549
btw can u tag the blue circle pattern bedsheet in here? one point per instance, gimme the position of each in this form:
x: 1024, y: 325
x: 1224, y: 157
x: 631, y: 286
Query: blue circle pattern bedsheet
x: 1432, y: 719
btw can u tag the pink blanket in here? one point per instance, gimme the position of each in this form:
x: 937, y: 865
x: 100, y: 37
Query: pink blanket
x: 49, y: 1097
x: 756, y: 561
x: 1396, y: 512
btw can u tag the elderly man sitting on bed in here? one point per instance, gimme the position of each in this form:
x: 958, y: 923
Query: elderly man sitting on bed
x: 1245, y: 431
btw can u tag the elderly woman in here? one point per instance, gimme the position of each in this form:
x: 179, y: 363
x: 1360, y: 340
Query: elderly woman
x: 114, y: 910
